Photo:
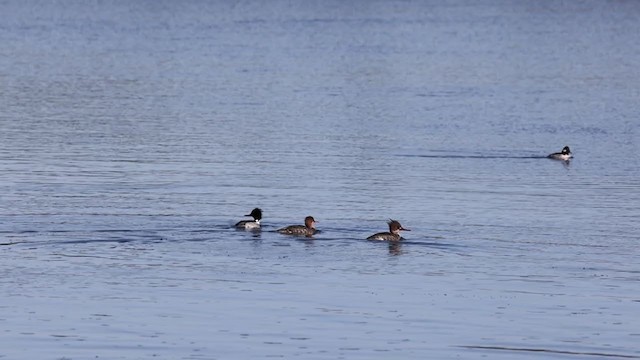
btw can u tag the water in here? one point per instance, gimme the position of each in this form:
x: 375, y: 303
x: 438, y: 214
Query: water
x: 134, y: 135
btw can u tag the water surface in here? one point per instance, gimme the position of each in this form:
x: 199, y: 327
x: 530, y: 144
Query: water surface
x: 134, y: 135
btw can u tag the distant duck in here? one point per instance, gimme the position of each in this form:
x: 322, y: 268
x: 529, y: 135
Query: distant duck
x: 308, y: 229
x: 565, y: 154
x: 392, y: 235
x: 254, y: 224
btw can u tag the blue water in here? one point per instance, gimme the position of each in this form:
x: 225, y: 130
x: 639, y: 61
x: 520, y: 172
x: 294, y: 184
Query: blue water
x: 133, y: 135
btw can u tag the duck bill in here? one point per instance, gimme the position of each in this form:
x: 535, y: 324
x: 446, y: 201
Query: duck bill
x: 403, y: 229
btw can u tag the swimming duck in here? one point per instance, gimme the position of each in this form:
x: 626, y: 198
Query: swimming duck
x: 254, y: 224
x: 392, y: 235
x: 308, y: 229
x: 565, y: 154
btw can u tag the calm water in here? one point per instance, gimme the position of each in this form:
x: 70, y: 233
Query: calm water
x: 134, y: 134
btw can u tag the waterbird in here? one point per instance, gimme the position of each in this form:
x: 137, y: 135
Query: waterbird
x: 308, y: 229
x: 254, y: 224
x: 392, y: 235
x: 565, y: 154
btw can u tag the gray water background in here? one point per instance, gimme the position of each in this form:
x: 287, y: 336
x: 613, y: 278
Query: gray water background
x: 133, y: 135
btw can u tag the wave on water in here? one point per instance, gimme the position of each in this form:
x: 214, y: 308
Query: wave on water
x: 551, y: 351
x: 473, y: 156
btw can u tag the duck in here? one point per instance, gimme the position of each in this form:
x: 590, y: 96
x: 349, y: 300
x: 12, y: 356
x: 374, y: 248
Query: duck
x: 392, y: 235
x: 254, y: 224
x: 565, y: 154
x: 308, y: 229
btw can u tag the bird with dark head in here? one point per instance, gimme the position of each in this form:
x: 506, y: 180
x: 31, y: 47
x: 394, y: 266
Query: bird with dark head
x: 254, y: 224
x: 565, y: 154
x: 392, y: 235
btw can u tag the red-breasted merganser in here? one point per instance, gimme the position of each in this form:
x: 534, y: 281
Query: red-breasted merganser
x: 565, y: 154
x: 392, y: 235
x: 254, y: 224
x: 308, y: 229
